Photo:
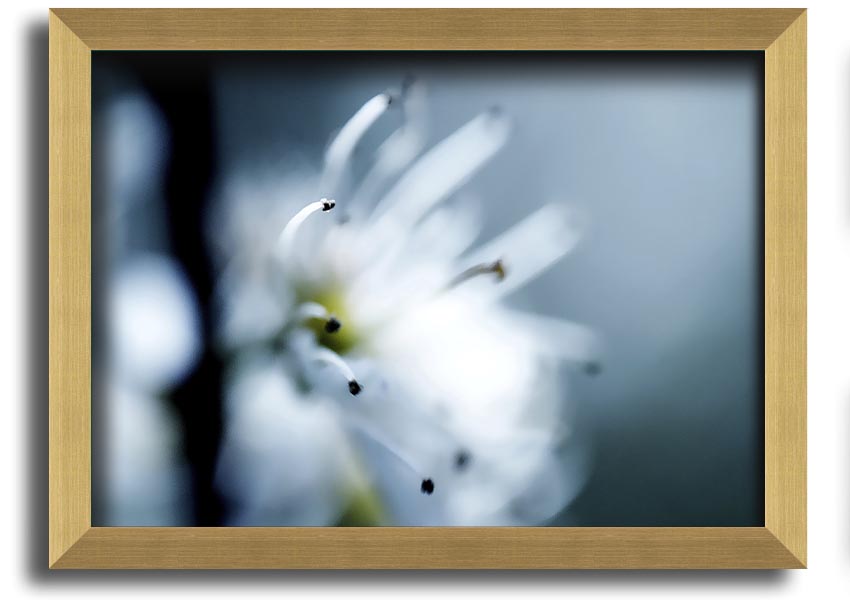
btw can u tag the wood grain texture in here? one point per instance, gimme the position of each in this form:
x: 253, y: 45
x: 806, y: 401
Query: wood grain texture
x: 785, y: 288
x: 429, y: 548
x: 428, y: 29
x: 781, y: 34
x: 69, y: 304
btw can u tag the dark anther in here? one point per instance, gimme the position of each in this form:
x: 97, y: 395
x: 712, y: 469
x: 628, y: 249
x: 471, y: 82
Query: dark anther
x: 328, y: 204
x: 354, y: 387
x: 332, y: 325
x: 592, y: 368
x: 498, y: 268
x: 427, y: 486
x: 462, y: 459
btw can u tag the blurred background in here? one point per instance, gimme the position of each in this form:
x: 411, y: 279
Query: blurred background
x: 660, y: 153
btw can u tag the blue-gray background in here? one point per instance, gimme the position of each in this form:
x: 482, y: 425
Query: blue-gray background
x: 662, y: 153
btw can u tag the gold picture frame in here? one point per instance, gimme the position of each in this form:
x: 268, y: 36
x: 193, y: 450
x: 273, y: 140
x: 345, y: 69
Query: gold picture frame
x: 780, y: 34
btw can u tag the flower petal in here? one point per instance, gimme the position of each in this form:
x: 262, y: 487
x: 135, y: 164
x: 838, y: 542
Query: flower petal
x: 340, y: 149
x: 441, y: 171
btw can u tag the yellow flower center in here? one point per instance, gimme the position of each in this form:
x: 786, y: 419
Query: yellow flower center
x: 343, y: 339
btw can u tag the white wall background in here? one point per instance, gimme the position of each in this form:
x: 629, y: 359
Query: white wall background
x: 23, y: 331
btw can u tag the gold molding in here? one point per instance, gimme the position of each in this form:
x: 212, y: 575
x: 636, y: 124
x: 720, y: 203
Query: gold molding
x: 428, y: 548
x: 428, y: 29
x: 780, y: 34
x: 785, y: 287
x: 69, y: 267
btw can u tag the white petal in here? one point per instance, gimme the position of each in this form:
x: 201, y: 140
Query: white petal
x: 448, y: 231
x: 396, y: 152
x: 415, y: 267
x: 556, y: 483
x: 340, y: 149
x: 283, y: 457
x: 560, y: 338
x: 441, y: 171
x: 460, y: 351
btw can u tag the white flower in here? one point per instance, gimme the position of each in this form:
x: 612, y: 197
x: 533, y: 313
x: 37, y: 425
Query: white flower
x: 154, y: 323
x: 154, y: 337
x: 145, y: 482
x: 152, y: 331
x: 377, y: 367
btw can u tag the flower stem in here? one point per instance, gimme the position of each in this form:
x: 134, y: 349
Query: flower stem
x: 364, y: 509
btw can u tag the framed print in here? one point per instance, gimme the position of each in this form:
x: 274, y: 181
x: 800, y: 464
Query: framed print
x: 413, y: 289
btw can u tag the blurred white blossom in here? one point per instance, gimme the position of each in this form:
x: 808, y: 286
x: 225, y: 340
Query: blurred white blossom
x: 154, y: 333
x: 154, y: 322
x: 145, y: 483
x: 153, y: 330
x: 135, y: 149
x: 377, y: 373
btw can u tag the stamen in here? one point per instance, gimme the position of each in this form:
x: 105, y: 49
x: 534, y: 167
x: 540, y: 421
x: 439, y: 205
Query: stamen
x: 398, y: 150
x: 287, y: 236
x: 340, y: 149
x: 333, y: 359
x: 427, y: 485
x: 314, y: 310
x: 534, y: 244
x: 496, y: 267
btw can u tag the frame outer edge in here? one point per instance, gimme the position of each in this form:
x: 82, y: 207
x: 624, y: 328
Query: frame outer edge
x: 74, y: 544
x: 785, y: 288
x: 69, y: 302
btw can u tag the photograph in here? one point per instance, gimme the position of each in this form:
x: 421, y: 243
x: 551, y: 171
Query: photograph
x: 427, y: 289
